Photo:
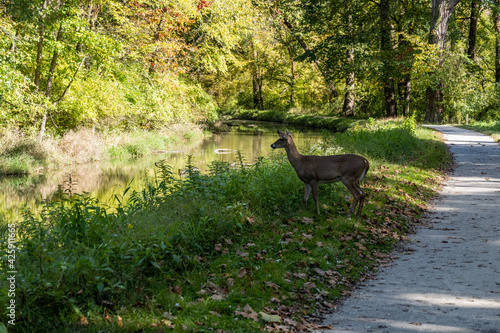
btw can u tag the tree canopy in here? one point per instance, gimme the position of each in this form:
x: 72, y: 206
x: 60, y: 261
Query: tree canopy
x: 98, y: 63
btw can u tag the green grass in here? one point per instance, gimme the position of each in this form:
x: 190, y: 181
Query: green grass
x: 491, y: 128
x: 232, y: 250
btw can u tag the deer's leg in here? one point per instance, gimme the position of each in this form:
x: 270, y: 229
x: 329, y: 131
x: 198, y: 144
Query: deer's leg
x: 307, y: 190
x: 361, y: 200
x: 356, y: 193
x: 314, y: 187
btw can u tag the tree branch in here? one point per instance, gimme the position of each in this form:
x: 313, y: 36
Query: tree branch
x: 72, y: 79
x: 11, y: 37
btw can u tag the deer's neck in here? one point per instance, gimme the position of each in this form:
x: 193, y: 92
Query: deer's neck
x: 293, y: 155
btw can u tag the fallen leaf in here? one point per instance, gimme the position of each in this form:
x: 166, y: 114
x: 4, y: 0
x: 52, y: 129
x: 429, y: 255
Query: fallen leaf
x: 177, y: 290
x: 309, y: 285
x: 218, y: 247
x: 300, y: 275
x: 212, y: 285
x: 106, y: 316
x: 290, y: 322
x: 251, y: 220
x: 270, y: 318
x: 303, y: 249
x: 307, y: 220
x: 202, y: 292
x: 84, y: 321
x: 214, y: 313
x: 242, y: 254
x: 217, y: 297
x: 248, y: 312
x: 242, y: 272
x: 120, y: 321
x: 167, y: 323
x: 272, y: 285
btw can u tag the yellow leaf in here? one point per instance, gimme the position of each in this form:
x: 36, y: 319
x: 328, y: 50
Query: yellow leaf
x: 270, y: 318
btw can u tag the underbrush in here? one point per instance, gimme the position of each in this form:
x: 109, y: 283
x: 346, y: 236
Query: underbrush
x: 24, y: 154
x: 229, y: 251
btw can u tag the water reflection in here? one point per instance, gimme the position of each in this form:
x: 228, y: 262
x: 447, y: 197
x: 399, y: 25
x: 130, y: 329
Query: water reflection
x: 106, y: 178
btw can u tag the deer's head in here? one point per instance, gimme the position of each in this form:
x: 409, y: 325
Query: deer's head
x: 283, y: 141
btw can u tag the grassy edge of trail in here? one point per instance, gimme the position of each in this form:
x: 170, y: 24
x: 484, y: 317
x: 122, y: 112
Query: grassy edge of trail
x: 491, y: 128
x: 231, y: 251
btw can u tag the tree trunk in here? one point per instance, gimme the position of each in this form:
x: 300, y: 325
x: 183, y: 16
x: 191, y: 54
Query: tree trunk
x: 328, y: 81
x: 48, y: 89
x: 404, y: 84
x: 292, y: 80
x: 407, y: 95
x: 441, y: 13
x: 258, y: 101
x: 91, y: 16
x: 53, y: 64
x: 471, y: 50
x: 42, y: 126
x: 39, y: 52
x: 497, y: 41
x: 386, y: 51
x: 349, y: 99
x: 434, y: 104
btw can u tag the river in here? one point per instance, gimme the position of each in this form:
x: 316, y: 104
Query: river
x: 104, y: 179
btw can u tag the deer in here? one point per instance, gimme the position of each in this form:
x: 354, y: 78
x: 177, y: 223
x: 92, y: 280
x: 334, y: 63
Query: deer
x: 312, y: 170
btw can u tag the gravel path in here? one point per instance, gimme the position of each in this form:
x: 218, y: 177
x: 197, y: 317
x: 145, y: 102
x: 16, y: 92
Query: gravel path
x: 448, y: 277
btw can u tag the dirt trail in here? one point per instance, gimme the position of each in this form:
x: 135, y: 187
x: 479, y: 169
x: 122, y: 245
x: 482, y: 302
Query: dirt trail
x: 448, y: 277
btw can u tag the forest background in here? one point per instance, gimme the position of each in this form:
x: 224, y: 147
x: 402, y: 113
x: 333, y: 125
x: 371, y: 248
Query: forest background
x: 67, y: 64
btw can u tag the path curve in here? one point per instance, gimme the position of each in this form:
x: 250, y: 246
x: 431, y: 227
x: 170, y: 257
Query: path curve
x: 448, y: 277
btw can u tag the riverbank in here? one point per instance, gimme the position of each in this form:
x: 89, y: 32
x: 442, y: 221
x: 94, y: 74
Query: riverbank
x: 334, y: 124
x: 232, y: 250
x: 22, y: 154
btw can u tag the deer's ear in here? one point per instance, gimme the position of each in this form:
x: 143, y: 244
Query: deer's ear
x: 290, y: 134
x: 280, y: 133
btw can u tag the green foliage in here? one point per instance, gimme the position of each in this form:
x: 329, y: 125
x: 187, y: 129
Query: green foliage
x: 134, y: 101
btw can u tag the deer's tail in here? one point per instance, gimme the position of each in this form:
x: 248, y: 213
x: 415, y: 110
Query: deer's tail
x: 365, y: 170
